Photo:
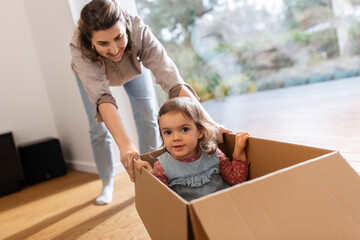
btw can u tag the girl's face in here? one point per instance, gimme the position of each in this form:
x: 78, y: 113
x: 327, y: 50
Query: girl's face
x: 111, y: 43
x: 180, y: 135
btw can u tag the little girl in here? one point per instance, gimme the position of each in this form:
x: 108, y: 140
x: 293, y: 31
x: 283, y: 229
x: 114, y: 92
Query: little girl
x: 192, y: 165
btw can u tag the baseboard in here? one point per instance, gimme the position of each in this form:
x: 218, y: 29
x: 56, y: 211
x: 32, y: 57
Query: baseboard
x: 90, y: 167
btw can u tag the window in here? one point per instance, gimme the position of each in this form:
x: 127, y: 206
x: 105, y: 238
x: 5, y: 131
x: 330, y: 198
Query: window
x: 240, y: 46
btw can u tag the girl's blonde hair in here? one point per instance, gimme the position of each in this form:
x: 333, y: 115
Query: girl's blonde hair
x: 192, y: 111
x: 99, y: 15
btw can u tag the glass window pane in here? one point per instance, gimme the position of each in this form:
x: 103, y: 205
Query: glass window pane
x: 225, y: 47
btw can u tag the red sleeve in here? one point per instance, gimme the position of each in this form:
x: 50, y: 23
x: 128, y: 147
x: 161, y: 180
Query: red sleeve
x: 234, y: 172
x: 160, y: 173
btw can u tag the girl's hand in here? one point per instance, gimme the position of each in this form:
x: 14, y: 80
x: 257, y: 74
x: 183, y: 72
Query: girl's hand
x: 139, y: 164
x: 240, y: 144
x: 127, y: 155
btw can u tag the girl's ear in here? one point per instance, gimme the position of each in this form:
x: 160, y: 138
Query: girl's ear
x: 200, y: 134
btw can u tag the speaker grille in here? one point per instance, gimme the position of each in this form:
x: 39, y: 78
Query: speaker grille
x: 42, y: 160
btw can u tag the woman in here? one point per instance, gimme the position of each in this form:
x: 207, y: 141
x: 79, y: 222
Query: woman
x: 110, y: 48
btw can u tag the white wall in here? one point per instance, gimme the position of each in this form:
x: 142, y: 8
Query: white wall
x: 38, y: 92
x: 25, y: 108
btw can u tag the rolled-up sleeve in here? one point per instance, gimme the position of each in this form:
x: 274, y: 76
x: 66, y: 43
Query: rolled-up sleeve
x: 175, y: 91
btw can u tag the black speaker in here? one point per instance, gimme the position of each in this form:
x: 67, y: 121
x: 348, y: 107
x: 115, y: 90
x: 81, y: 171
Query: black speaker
x: 42, y: 160
x: 11, y: 175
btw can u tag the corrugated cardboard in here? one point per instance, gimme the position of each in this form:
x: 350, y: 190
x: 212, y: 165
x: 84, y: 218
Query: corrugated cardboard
x: 293, y: 192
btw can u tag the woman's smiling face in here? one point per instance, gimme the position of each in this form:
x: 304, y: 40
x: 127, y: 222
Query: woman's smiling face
x: 111, y: 43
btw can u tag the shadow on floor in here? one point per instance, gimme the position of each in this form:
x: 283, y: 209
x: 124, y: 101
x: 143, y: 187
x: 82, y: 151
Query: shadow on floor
x: 48, y: 222
x: 76, y: 230
x: 80, y: 229
x: 35, y: 192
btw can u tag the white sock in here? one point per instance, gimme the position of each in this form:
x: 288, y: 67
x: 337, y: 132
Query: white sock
x: 107, y: 192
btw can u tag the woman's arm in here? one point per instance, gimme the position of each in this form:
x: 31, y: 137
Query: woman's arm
x: 113, y: 122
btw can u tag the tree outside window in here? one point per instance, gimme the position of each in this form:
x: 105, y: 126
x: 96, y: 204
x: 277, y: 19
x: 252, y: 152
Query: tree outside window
x: 225, y: 47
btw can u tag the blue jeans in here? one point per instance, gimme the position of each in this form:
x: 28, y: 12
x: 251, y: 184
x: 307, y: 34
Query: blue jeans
x: 144, y: 105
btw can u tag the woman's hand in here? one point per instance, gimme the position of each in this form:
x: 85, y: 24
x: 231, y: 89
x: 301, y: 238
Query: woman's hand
x: 139, y: 164
x: 127, y: 155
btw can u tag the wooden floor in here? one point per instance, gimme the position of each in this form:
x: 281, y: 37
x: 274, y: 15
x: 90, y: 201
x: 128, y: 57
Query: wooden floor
x: 324, y: 115
x: 64, y: 208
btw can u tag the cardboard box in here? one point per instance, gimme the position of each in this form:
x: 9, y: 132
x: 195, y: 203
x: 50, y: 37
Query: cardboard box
x: 293, y: 192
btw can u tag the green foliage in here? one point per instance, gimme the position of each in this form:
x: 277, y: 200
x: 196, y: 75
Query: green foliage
x: 290, y: 6
x: 215, y: 87
x: 266, y: 58
x: 300, y: 37
x: 325, y: 42
x: 304, y: 4
x: 354, y: 34
x: 354, y: 30
x: 226, y: 46
x: 176, y: 16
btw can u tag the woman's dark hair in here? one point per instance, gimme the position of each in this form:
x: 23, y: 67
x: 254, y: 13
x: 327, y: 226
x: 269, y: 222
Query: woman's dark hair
x: 192, y: 111
x: 99, y: 15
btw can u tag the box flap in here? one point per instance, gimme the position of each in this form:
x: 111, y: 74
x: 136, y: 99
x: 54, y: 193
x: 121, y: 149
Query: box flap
x: 317, y: 199
x: 268, y: 156
x: 151, y: 157
x: 163, y: 213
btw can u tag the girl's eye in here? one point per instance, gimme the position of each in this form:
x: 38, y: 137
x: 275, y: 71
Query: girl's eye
x: 167, y: 132
x: 185, y: 129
